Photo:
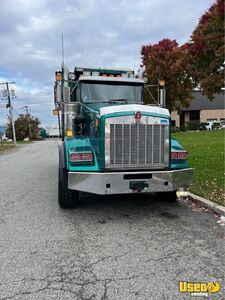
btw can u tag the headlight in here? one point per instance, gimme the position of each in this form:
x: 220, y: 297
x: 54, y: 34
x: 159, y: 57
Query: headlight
x: 71, y: 76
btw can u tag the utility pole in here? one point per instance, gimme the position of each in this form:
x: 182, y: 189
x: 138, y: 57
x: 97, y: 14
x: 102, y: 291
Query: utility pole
x: 27, y: 108
x: 9, y: 105
x: 27, y: 115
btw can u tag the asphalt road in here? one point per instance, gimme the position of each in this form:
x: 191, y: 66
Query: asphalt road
x: 117, y: 247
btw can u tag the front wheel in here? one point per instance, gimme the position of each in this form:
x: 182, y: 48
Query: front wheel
x: 66, y: 198
x: 167, y: 196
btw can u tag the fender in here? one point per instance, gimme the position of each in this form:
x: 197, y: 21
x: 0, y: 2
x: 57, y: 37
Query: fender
x: 79, y: 144
x: 176, y: 164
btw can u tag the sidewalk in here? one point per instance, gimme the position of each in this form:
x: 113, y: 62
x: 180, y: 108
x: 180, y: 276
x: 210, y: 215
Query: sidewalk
x: 220, y: 209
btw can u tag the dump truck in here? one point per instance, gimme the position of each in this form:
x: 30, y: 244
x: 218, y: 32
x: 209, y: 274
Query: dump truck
x: 112, y: 143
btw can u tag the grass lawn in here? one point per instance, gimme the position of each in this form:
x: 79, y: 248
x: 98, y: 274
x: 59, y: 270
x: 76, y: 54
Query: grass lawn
x: 11, y: 143
x: 206, y: 156
x: 4, y: 147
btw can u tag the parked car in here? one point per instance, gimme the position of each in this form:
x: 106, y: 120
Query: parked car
x: 216, y: 125
x: 213, y: 125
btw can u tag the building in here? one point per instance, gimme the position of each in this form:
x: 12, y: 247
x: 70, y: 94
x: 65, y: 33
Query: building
x: 201, y: 109
x: 52, y: 131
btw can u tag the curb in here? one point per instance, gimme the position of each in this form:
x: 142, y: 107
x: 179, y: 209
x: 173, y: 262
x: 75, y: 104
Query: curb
x: 207, y: 203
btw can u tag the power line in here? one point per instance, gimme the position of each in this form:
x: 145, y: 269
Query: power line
x: 27, y: 109
x: 15, y: 114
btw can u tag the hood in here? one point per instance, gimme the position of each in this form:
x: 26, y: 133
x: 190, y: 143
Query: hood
x: 110, y: 108
x: 97, y: 106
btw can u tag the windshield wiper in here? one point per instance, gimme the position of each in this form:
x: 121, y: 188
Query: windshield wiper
x: 118, y: 100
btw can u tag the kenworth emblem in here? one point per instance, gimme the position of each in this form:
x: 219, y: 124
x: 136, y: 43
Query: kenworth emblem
x: 138, y: 116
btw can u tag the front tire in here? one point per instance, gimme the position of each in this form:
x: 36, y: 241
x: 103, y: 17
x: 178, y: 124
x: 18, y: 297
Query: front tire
x: 66, y: 198
x: 167, y: 196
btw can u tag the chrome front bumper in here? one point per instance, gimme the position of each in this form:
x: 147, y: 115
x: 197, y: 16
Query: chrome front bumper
x: 124, y: 182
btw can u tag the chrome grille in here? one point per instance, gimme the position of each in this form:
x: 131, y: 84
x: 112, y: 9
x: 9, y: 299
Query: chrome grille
x: 137, y: 146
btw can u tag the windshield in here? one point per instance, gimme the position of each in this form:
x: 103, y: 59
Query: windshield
x: 92, y: 92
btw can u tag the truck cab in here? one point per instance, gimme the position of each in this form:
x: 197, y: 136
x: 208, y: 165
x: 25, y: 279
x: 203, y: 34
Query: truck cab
x: 112, y: 143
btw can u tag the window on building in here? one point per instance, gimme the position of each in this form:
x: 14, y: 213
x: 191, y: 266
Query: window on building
x: 194, y: 115
x: 182, y: 118
x: 211, y: 120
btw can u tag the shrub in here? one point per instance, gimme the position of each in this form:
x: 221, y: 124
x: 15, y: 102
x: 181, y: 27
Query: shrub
x: 175, y: 129
x: 203, y: 126
x: 183, y: 128
x: 193, y: 125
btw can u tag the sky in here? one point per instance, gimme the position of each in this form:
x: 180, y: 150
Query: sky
x: 98, y: 33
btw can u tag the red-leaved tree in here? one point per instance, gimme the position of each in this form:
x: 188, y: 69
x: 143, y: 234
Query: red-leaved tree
x: 167, y: 61
x: 206, y: 51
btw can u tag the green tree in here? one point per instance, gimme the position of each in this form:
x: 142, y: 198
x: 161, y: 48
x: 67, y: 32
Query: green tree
x: 167, y: 61
x: 43, y: 132
x: 26, y: 126
x: 206, y: 51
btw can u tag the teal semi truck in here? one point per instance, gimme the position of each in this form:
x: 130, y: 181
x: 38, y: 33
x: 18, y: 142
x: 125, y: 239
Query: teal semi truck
x: 112, y: 143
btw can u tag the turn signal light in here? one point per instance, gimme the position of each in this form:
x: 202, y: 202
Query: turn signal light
x: 69, y: 133
x: 58, y: 76
x: 79, y: 157
x: 182, y: 155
